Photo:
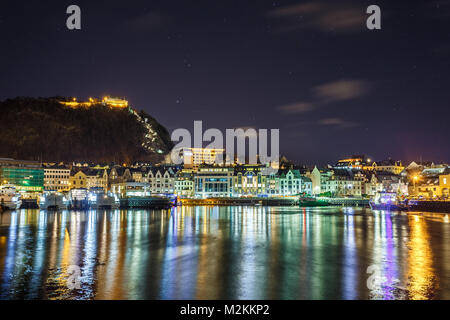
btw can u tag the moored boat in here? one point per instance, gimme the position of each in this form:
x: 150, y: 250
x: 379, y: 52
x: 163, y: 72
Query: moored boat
x: 53, y: 200
x: 9, y: 197
x: 99, y: 199
x: 312, y: 202
x: 387, y: 201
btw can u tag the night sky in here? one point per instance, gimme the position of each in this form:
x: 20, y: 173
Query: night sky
x: 310, y: 68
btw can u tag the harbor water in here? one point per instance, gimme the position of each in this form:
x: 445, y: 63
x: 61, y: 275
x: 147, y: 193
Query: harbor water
x: 234, y: 252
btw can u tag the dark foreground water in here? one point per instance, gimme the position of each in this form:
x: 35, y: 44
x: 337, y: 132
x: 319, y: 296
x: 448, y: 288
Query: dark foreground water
x: 225, y: 253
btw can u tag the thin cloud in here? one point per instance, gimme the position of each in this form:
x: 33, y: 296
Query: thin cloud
x: 338, y: 123
x: 341, y: 90
x: 328, y: 93
x: 322, y: 16
x: 300, y: 107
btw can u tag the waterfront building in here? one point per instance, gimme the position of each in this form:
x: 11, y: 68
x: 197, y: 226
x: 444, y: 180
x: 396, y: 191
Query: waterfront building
x: 444, y: 185
x: 77, y: 179
x: 118, y: 174
x: 130, y: 189
x: 345, y: 182
x: 321, y: 180
x: 292, y: 183
x: 391, y: 182
x: 88, y: 178
x: 56, y: 177
x: 184, y: 183
x: 97, y: 178
x: 249, y: 180
x: 428, y: 187
x: 27, y: 176
x: 213, y: 182
x: 430, y: 181
x: 162, y: 179
x: 273, y: 184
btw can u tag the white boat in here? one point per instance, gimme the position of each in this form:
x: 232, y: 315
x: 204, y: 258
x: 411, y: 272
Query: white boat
x: 388, y: 201
x: 53, y: 200
x: 78, y: 199
x: 9, y: 197
x: 98, y: 198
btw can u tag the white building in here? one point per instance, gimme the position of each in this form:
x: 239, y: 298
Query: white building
x: 162, y: 180
x: 184, y: 183
x: 214, y: 182
x: 56, y: 178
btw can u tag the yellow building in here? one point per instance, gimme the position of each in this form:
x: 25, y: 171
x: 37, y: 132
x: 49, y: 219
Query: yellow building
x: 78, y: 180
x: 427, y: 187
x: 392, y: 166
x: 88, y: 179
x: 248, y: 180
x: 444, y: 185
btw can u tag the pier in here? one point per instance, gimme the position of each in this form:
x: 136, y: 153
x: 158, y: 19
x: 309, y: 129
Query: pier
x: 240, y: 202
x: 429, y: 205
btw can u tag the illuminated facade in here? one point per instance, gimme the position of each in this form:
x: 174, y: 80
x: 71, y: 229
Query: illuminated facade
x: 320, y: 181
x: 214, y: 182
x: 444, y: 185
x: 249, y: 181
x: 293, y: 183
x: 88, y: 178
x: 56, y: 178
x: 26, y: 176
x: 289, y: 182
x: 162, y: 180
x: 184, y: 183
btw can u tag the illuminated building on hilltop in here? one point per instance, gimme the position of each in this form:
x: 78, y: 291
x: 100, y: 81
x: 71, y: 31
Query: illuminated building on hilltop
x: 106, y: 101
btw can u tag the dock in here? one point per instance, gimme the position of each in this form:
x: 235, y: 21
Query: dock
x: 240, y: 201
x: 429, y: 205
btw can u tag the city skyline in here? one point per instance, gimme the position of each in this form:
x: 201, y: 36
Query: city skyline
x: 311, y: 69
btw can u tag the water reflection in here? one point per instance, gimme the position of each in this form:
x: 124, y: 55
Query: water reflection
x: 225, y: 253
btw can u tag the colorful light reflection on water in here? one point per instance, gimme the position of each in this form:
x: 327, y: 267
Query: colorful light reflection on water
x: 225, y: 253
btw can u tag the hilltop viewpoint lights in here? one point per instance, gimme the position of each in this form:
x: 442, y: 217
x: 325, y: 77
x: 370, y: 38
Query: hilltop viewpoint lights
x: 188, y: 152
